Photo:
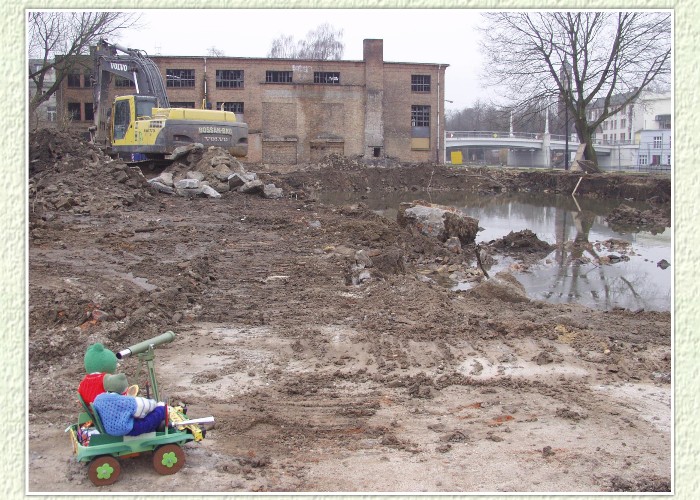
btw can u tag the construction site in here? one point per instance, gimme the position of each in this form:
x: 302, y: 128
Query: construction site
x: 325, y: 339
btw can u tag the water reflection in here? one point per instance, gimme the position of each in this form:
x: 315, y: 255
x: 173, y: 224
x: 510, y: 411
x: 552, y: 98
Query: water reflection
x: 571, y: 273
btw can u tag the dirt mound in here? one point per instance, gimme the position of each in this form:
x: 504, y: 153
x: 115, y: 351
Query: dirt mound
x: 520, y: 242
x: 69, y: 175
x: 624, y: 217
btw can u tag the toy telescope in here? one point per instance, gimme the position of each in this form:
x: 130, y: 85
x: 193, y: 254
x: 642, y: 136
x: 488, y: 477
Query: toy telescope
x: 144, y: 346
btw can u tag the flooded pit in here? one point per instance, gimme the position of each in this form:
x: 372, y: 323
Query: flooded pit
x: 570, y: 273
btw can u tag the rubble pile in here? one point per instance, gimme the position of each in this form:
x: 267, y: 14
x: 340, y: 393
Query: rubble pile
x: 337, y: 161
x: 210, y: 172
x: 522, y: 242
x: 68, y: 174
x: 623, y: 217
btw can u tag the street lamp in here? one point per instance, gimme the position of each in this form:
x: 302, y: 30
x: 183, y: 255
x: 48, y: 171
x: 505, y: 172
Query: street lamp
x: 567, y: 80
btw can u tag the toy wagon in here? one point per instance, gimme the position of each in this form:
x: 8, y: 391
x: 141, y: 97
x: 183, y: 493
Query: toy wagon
x: 92, y: 444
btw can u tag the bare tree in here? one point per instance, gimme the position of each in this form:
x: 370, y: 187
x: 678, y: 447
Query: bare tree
x: 283, y: 47
x: 214, y: 52
x: 55, y: 37
x: 577, y: 59
x: 324, y: 43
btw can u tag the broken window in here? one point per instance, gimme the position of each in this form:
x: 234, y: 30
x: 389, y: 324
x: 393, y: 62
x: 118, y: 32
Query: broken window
x: 331, y: 77
x: 179, y: 77
x: 89, y: 114
x: 74, y: 79
x: 229, y: 78
x: 74, y: 111
x: 420, y: 127
x: 234, y: 107
x: 278, y: 77
x: 182, y: 105
x: 420, y: 83
x: 120, y: 81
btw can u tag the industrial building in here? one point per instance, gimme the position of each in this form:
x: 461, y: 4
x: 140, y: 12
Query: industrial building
x: 300, y: 110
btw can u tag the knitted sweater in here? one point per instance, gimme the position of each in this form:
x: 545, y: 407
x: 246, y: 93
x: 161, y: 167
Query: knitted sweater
x: 117, y: 412
x: 91, y: 385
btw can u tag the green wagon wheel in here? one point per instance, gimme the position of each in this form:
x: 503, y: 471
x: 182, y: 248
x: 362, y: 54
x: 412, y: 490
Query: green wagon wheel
x: 168, y: 459
x: 104, y: 470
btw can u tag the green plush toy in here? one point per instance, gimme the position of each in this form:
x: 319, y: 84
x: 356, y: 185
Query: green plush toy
x: 100, y: 365
x: 99, y: 359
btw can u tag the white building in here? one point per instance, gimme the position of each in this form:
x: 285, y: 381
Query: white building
x: 46, y: 112
x: 641, y: 130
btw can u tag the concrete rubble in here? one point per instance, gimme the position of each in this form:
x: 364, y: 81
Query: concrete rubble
x: 211, y: 173
x: 438, y: 221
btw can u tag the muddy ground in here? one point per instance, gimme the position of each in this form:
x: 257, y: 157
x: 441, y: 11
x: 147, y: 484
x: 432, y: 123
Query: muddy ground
x: 396, y: 384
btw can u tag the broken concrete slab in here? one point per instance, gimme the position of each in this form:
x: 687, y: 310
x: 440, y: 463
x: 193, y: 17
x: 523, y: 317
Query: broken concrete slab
x: 160, y: 187
x: 252, y: 187
x: 210, y: 192
x: 272, y: 192
x: 184, y: 150
x: 188, y: 184
x: 438, y: 221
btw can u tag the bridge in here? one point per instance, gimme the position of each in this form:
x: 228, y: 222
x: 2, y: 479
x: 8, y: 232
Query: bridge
x: 525, y: 148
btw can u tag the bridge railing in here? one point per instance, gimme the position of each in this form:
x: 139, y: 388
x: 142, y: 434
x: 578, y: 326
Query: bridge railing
x: 491, y: 134
x: 496, y: 134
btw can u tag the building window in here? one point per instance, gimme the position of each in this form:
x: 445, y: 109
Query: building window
x: 605, y: 125
x: 229, y: 78
x: 120, y: 81
x: 234, y: 107
x: 420, y: 116
x: 182, y: 105
x: 89, y: 114
x: 643, y: 159
x: 74, y: 80
x: 658, y: 141
x: 179, y: 77
x: 51, y: 113
x: 605, y: 138
x: 668, y: 159
x: 87, y: 80
x: 278, y: 77
x: 420, y: 83
x: 327, y: 77
x: 420, y: 127
x: 622, y: 137
x: 74, y: 111
x: 623, y: 123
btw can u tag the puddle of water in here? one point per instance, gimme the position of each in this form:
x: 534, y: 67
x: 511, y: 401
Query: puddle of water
x: 564, y: 276
x: 142, y: 282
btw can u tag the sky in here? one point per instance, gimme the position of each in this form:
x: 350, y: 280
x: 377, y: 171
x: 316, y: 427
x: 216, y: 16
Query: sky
x: 444, y: 36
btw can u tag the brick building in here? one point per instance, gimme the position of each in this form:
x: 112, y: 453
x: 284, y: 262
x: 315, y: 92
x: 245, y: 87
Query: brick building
x: 301, y: 110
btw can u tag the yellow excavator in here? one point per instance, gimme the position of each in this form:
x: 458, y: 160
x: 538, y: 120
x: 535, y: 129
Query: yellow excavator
x: 143, y: 127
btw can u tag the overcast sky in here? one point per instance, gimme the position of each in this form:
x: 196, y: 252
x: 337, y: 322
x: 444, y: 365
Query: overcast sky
x: 445, y: 36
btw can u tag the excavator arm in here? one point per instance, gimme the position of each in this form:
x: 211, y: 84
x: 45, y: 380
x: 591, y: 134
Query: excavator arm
x: 132, y: 64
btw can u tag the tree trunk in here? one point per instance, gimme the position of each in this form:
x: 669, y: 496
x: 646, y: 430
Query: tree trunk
x: 585, y: 137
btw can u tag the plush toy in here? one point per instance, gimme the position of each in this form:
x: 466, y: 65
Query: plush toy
x: 100, y: 364
x: 127, y: 415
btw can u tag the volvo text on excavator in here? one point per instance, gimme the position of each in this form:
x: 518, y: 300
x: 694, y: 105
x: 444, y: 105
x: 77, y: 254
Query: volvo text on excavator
x: 143, y: 126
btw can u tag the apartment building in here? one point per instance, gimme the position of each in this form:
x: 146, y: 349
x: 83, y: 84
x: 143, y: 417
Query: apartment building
x: 642, y: 130
x: 302, y: 110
